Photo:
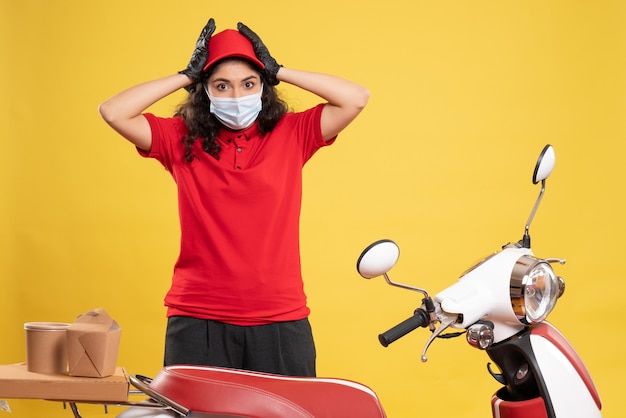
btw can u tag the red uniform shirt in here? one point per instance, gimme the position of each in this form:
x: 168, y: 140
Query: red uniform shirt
x: 239, y: 259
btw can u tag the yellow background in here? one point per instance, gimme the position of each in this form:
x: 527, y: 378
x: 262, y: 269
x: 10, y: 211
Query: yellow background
x: 464, y: 95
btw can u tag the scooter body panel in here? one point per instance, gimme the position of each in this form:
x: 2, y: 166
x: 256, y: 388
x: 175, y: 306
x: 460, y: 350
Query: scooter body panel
x: 564, y: 374
x: 482, y: 294
x: 540, y: 364
x: 534, y: 408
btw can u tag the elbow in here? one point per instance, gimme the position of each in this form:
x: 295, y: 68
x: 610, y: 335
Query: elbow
x: 362, y: 97
x: 106, y: 112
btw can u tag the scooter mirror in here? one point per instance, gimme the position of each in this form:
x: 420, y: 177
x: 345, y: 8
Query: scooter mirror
x: 545, y: 164
x: 378, y: 258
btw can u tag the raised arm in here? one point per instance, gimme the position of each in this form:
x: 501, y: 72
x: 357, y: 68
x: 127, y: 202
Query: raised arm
x: 345, y: 98
x: 123, y: 112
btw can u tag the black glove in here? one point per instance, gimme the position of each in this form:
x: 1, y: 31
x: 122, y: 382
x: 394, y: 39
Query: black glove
x: 261, y: 52
x: 200, y: 55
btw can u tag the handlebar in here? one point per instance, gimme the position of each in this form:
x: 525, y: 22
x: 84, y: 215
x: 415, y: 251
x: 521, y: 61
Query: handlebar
x: 420, y: 318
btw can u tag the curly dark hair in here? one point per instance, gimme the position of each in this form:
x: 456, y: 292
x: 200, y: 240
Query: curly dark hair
x: 204, y: 126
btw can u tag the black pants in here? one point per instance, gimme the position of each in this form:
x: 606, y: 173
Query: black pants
x: 285, y: 348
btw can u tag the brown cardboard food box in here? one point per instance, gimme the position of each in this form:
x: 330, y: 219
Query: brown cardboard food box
x: 93, y: 342
x: 16, y: 382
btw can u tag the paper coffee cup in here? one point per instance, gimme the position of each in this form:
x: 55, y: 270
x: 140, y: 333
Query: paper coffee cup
x: 46, y: 350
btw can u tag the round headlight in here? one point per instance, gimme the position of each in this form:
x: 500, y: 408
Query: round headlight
x: 534, y: 289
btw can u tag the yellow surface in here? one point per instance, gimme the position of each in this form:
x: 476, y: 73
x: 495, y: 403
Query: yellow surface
x: 464, y: 96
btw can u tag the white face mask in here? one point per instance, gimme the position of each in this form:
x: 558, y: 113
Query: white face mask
x: 236, y: 113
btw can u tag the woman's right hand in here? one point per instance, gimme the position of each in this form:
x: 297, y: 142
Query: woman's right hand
x: 123, y: 112
x: 200, y: 55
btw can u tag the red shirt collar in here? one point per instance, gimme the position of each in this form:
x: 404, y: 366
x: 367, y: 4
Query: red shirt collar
x: 226, y: 136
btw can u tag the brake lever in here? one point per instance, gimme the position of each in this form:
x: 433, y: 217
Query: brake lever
x: 446, y: 321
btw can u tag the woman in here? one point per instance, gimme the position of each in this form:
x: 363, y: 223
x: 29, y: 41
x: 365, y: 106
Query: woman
x: 236, y: 155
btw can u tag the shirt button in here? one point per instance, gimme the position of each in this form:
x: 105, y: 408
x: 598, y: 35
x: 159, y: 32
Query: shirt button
x: 239, y: 149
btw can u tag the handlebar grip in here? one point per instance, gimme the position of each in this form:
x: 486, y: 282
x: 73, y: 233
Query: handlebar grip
x: 420, y: 318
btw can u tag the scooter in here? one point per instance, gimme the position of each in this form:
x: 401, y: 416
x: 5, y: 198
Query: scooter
x: 502, y: 303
